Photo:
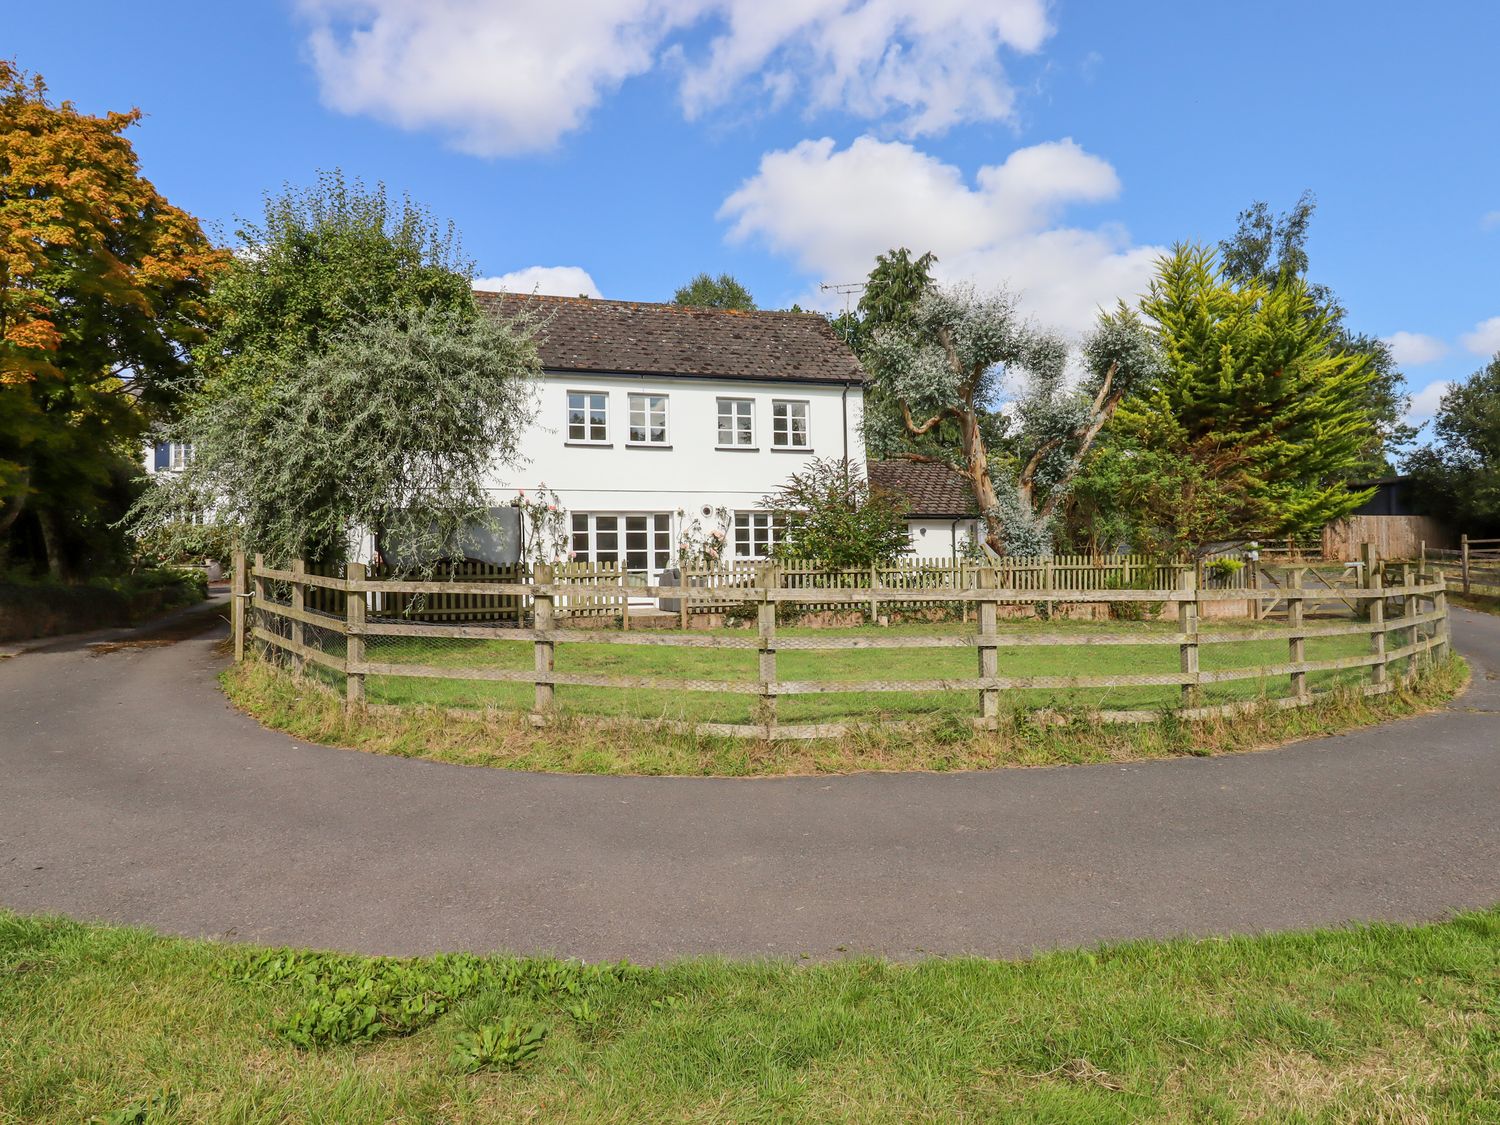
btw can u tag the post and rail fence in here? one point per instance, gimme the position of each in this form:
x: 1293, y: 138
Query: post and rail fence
x: 1476, y: 565
x: 328, y: 620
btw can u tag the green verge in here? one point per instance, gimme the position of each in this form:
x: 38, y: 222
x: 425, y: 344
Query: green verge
x: 307, y: 709
x: 1367, y: 1023
x: 1481, y: 603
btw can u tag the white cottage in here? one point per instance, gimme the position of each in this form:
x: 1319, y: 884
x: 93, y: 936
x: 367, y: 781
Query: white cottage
x: 653, y: 416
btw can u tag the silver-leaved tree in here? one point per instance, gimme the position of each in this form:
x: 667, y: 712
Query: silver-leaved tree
x: 971, y: 363
x: 349, y: 384
x: 392, y: 426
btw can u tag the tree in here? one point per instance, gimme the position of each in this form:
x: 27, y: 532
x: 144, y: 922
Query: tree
x: 1159, y: 502
x: 722, y: 292
x: 952, y: 363
x: 1459, y: 479
x: 320, y: 258
x: 1271, y: 249
x: 350, y: 383
x: 102, y: 294
x: 834, y: 516
x: 392, y: 426
x: 1255, y: 392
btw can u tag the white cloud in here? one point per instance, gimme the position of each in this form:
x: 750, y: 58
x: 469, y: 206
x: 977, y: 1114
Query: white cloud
x: 832, y: 211
x: 1490, y: 221
x: 1412, y: 349
x: 1485, y: 339
x: 935, y: 63
x: 1425, y: 402
x: 555, y: 281
x: 513, y: 77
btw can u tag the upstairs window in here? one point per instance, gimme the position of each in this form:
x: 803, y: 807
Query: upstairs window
x: 648, y: 420
x: 588, y: 416
x: 789, y: 424
x: 736, y: 423
x: 181, y: 453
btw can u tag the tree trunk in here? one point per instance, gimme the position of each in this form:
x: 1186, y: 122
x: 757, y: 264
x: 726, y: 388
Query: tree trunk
x: 15, y: 503
x: 977, y: 459
x: 52, y: 540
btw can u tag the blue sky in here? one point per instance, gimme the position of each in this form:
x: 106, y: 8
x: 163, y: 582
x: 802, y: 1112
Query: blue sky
x: 1054, y: 147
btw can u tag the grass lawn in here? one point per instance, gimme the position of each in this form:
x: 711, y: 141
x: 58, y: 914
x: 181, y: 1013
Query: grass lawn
x: 851, y: 664
x: 503, y: 737
x: 1478, y: 602
x: 1375, y: 1023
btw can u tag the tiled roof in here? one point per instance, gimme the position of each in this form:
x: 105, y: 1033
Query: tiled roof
x: 636, y: 338
x: 928, y: 490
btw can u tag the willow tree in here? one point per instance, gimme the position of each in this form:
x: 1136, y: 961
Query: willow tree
x: 393, y: 425
x: 350, y: 383
x: 972, y: 362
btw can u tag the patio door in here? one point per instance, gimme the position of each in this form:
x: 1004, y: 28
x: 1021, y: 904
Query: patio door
x: 640, y: 541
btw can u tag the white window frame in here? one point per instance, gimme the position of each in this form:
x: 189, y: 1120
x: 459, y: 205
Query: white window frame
x: 583, y: 543
x: 763, y: 529
x: 733, y: 417
x: 788, y: 444
x: 588, y: 416
x: 643, y: 398
x: 179, y: 455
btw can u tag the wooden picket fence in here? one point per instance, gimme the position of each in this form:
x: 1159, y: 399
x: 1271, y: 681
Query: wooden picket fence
x: 282, y: 625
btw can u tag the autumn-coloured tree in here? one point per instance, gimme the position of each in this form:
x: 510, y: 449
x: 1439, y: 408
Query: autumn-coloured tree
x: 102, y: 287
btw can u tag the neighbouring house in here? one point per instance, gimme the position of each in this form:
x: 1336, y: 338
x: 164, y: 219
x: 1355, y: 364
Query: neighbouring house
x: 655, y: 417
x: 166, y: 456
x: 941, y: 514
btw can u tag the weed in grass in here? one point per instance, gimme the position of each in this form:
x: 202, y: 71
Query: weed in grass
x: 505, y: 1045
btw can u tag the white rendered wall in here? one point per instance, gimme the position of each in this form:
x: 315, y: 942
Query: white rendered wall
x: 691, y: 473
x: 939, y: 538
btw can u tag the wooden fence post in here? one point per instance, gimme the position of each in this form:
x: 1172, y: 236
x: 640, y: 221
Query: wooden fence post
x: 1464, y: 544
x: 299, y: 605
x: 766, y: 579
x: 1187, y: 625
x: 1411, y: 608
x: 354, y: 637
x: 989, y: 652
x: 1296, y: 643
x: 258, y: 586
x: 542, y: 605
x: 1376, y: 583
x: 682, y: 603
x: 1440, y: 633
x: 238, y: 594
x: 874, y: 602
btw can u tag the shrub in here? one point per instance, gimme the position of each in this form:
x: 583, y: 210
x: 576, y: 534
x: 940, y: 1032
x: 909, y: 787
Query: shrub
x: 834, y: 516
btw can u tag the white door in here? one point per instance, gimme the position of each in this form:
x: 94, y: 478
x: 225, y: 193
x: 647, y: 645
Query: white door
x: 640, y: 541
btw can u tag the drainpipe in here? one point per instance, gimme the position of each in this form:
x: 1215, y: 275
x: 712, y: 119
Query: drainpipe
x: 844, y: 405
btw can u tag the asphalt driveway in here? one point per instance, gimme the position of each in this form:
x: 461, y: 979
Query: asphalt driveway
x: 131, y: 792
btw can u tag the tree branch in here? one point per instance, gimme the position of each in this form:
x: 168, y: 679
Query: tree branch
x: 1087, y: 436
x: 1103, y: 396
x: 911, y: 423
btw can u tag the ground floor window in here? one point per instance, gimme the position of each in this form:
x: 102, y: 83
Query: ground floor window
x: 641, y: 541
x: 756, y: 533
